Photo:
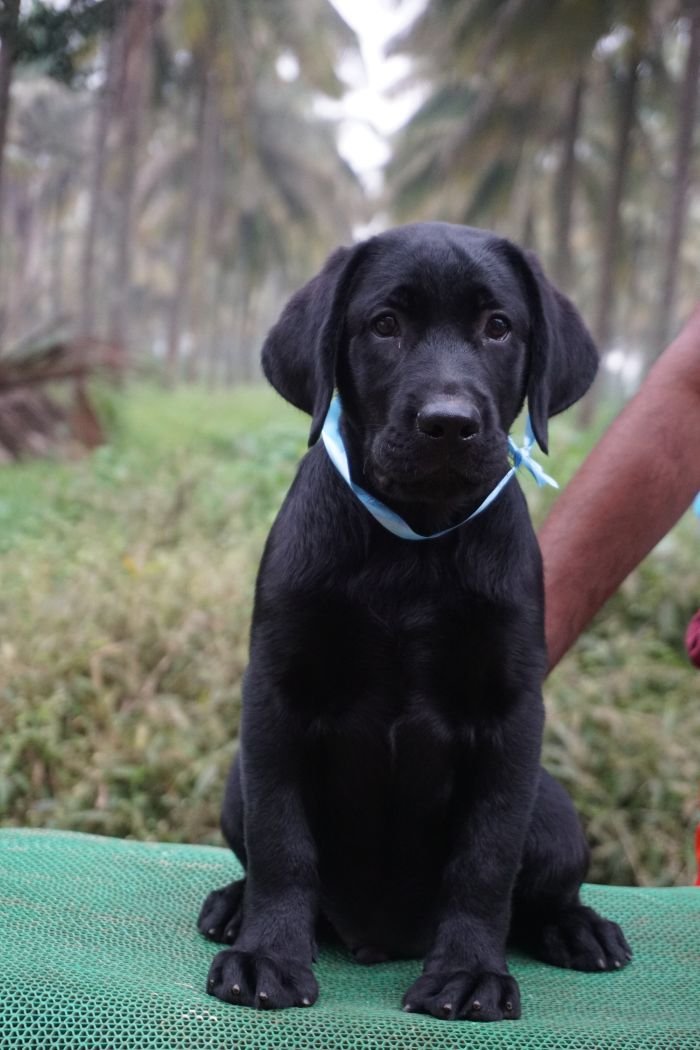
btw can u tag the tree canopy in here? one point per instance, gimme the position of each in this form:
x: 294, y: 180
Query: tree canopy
x: 559, y: 123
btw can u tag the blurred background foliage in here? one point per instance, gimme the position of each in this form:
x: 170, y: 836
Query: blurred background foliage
x: 169, y: 172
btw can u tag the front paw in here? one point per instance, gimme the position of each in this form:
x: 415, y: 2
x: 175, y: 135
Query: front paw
x: 465, y: 995
x: 261, y: 980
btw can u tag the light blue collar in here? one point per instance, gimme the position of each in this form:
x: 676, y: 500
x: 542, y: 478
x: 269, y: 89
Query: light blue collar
x: 333, y: 441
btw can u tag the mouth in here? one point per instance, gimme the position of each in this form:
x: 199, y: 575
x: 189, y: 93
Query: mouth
x: 438, y: 486
x: 410, y: 475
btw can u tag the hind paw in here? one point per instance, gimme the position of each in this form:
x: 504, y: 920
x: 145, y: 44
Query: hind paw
x: 220, y: 917
x: 577, y: 938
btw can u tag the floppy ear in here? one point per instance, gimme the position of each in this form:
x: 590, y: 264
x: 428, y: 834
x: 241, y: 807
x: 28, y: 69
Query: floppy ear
x: 300, y: 352
x: 563, y: 356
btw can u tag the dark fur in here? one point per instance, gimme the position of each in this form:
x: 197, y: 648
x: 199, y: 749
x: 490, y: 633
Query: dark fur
x: 388, y: 788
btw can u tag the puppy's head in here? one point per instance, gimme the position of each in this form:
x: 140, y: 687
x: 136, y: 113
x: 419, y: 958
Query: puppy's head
x: 434, y: 336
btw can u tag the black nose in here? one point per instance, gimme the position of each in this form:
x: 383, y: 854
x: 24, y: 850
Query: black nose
x: 449, y: 419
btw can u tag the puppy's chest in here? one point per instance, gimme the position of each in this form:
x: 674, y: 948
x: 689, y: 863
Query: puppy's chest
x: 406, y: 682
x: 378, y: 654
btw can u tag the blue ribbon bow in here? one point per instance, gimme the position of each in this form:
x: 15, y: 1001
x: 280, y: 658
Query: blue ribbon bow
x: 333, y: 442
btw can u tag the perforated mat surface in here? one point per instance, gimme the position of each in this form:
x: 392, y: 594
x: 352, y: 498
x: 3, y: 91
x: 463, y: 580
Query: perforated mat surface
x: 99, y: 951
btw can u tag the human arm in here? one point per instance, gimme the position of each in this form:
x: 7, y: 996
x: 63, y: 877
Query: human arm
x: 634, y: 486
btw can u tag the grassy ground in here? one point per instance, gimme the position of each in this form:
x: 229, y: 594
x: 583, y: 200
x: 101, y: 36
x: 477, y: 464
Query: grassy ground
x: 126, y: 590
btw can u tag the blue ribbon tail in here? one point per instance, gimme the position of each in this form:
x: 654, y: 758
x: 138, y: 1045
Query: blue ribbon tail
x: 522, y: 457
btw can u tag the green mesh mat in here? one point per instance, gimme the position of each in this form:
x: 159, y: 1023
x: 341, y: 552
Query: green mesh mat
x: 98, y: 951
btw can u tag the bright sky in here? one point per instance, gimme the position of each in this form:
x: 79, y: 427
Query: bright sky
x: 369, y: 113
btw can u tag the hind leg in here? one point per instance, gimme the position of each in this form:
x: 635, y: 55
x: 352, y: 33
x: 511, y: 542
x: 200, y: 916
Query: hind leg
x: 549, y: 919
x: 220, y: 916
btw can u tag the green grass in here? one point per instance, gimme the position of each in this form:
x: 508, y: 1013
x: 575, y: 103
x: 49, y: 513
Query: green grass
x: 127, y: 583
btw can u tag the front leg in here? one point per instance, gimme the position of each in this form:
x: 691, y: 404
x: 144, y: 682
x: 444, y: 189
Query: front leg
x: 269, y: 964
x: 465, y: 975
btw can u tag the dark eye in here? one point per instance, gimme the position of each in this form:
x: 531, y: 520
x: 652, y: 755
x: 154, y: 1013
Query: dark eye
x: 497, y: 327
x: 385, y: 326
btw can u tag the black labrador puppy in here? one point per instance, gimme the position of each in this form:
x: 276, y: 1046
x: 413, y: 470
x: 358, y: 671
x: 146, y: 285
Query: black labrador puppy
x: 388, y: 786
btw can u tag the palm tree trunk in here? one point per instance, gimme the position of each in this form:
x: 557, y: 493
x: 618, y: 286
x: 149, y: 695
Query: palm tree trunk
x: 57, y: 244
x: 216, y: 327
x: 681, y: 179
x: 602, y: 325
x: 564, y: 191
x: 215, y: 252
x: 140, y: 19
x: 239, y: 297
x: 103, y: 119
x: 201, y: 156
x: 19, y: 288
x: 9, y: 18
x: 611, y: 230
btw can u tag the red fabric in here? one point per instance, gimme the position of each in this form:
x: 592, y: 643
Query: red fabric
x: 692, y: 639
